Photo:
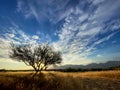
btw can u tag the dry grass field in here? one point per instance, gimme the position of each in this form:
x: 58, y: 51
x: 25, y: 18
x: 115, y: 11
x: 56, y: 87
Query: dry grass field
x: 97, y: 80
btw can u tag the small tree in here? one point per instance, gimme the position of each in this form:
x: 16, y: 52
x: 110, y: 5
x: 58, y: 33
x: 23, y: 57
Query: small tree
x: 39, y: 57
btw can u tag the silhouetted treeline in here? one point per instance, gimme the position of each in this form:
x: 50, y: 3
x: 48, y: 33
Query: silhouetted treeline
x: 4, y: 70
x: 83, y: 70
x: 67, y: 69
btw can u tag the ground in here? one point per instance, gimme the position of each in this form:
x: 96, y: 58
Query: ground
x: 50, y: 80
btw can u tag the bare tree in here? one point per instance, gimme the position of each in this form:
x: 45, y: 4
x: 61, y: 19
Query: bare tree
x: 39, y: 57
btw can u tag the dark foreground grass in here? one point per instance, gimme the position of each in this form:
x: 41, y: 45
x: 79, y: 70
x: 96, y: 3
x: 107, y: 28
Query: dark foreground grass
x: 54, y: 81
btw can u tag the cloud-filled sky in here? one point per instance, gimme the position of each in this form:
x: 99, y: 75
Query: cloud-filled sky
x: 85, y: 31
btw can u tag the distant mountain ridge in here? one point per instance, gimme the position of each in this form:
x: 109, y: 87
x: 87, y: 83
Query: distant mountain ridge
x: 92, y: 65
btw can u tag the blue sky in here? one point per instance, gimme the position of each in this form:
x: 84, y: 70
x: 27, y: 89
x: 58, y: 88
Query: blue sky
x: 85, y: 31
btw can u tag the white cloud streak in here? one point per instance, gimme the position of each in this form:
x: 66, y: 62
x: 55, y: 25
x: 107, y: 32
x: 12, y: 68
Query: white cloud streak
x: 79, y: 36
x: 15, y: 35
x: 52, y: 10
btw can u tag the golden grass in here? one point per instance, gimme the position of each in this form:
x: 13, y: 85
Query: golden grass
x: 113, y: 74
x: 97, y: 80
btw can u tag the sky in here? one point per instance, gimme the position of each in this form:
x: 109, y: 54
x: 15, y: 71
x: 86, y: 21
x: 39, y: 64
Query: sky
x: 84, y: 31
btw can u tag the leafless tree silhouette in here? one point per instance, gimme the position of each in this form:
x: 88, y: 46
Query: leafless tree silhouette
x: 39, y: 57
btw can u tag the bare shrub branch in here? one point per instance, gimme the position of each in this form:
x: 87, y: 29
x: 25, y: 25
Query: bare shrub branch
x: 39, y: 57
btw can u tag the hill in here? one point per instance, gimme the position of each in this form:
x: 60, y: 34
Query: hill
x: 108, y: 64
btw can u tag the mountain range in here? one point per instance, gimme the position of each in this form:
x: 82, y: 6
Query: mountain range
x: 92, y: 65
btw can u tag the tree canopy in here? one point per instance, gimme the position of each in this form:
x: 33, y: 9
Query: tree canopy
x: 39, y: 56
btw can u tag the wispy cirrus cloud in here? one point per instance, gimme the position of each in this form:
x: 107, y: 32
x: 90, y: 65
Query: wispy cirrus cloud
x: 102, y: 13
x: 84, y: 30
x: 22, y: 7
x: 14, y: 34
x: 52, y: 10
x: 83, y: 26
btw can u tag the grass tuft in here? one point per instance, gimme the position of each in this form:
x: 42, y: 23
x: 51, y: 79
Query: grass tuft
x: 104, y: 80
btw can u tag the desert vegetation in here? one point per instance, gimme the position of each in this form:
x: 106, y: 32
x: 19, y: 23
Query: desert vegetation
x: 39, y: 57
x: 54, y: 80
